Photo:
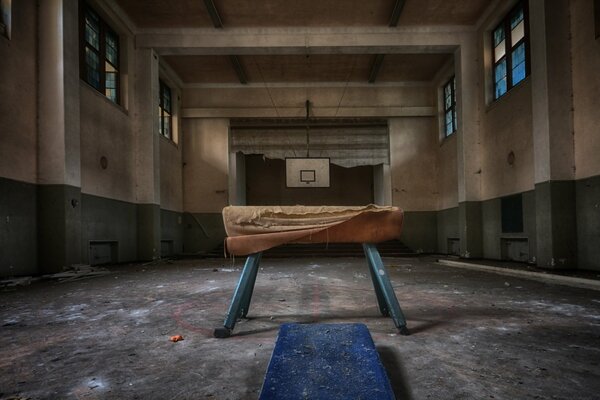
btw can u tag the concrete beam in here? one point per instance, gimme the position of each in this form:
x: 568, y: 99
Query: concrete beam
x: 396, y: 12
x: 299, y: 41
x: 299, y: 112
x: 376, y: 67
x: 239, y: 69
x: 279, y: 85
x: 214, y: 13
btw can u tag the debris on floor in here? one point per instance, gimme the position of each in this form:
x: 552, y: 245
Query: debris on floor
x: 176, y: 338
x: 12, y: 283
x: 76, y: 272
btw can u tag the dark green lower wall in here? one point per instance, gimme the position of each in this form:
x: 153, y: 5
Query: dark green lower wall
x: 171, y: 230
x: 419, y: 231
x: 18, y: 228
x: 588, y: 223
x: 470, y: 229
x: 202, y: 232
x: 492, y: 235
x: 140, y: 231
x: 33, y: 217
x: 556, y: 228
x: 447, y: 229
x: 59, y: 227
x: 108, y: 220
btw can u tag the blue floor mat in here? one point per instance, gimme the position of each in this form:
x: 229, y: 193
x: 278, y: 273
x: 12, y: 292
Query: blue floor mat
x: 325, y: 362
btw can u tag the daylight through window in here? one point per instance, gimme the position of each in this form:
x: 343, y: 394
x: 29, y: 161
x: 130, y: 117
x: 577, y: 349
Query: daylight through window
x: 99, y: 55
x: 510, y: 56
x: 450, y: 107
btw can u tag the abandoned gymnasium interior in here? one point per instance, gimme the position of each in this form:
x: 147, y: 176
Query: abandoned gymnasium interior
x: 299, y: 199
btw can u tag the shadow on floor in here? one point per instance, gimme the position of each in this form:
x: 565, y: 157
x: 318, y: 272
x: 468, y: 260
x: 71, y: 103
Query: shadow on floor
x: 395, y: 371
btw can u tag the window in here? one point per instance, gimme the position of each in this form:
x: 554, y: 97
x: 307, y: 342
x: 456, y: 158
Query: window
x: 597, y: 17
x: 511, y: 50
x: 5, y: 14
x: 99, y: 64
x: 450, y: 107
x: 165, y: 126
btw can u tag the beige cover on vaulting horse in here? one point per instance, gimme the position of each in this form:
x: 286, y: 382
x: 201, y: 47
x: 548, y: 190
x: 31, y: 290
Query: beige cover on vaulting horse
x: 251, y: 229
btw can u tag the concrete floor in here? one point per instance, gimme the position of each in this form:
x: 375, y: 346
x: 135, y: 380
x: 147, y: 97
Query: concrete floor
x: 475, y: 335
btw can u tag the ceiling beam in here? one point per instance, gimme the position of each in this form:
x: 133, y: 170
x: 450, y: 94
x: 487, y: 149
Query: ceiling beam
x: 376, y: 67
x: 214, y: 13
x: 239, y: 69
x: 396, y: 13
x: 261, y: 41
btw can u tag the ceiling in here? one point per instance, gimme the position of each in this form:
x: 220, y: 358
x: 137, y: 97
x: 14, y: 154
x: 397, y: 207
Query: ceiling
x: 300, y: 13
x: 314, y: 68
x: 153, y: 15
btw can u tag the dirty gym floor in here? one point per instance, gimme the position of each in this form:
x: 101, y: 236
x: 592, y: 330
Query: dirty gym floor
x: 475, y: 335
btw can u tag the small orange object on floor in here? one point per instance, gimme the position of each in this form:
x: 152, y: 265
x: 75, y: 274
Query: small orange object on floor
x: 176, y: 338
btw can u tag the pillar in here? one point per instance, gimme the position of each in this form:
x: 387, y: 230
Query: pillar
x: 553, y: 145
x: 468, y: 147
x: 147, y: 153
x: 59, y: 166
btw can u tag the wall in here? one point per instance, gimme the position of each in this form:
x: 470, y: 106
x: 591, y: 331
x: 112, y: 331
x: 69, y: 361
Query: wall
x: 18, y: 142
x: 413, y: 158
x: 108, y: 199
x: 106, y: 132
x: 205, y: 179
x: 266, y: 185
x: 491, y: 217
x: 326, y: 101
x: 171, y: 195
x: 585, y: 50
x: 17, y: 95
x: 506, y: 125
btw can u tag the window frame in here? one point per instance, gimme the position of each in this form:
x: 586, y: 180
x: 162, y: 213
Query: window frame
x: 5, y: 18
x: 452, y: 84
x: 597, y: 18
x: 165, y: 115
x: 104, y: 30
x: 509, y: 48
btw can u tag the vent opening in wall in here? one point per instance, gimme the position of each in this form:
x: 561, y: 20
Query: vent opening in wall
x: 104, y: 252
x: 454, y: 246
x: 515, y: 249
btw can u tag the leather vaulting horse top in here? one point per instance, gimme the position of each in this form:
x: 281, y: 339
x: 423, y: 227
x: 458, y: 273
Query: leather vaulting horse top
x: 252, y: 229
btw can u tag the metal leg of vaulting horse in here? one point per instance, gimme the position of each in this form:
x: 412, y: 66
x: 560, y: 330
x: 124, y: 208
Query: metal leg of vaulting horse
x: 383, y: 308
x: 382, y: 278
x: 247, y: 296
x: 242, y: 294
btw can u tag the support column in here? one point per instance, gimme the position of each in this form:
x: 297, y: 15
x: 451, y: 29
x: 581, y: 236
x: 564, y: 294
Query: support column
x: 237, y: 179
x: 59, y: 166
x: 468, y: 147
x: 147, y: 153
x: 553, y: 146
x: 382, y: 185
